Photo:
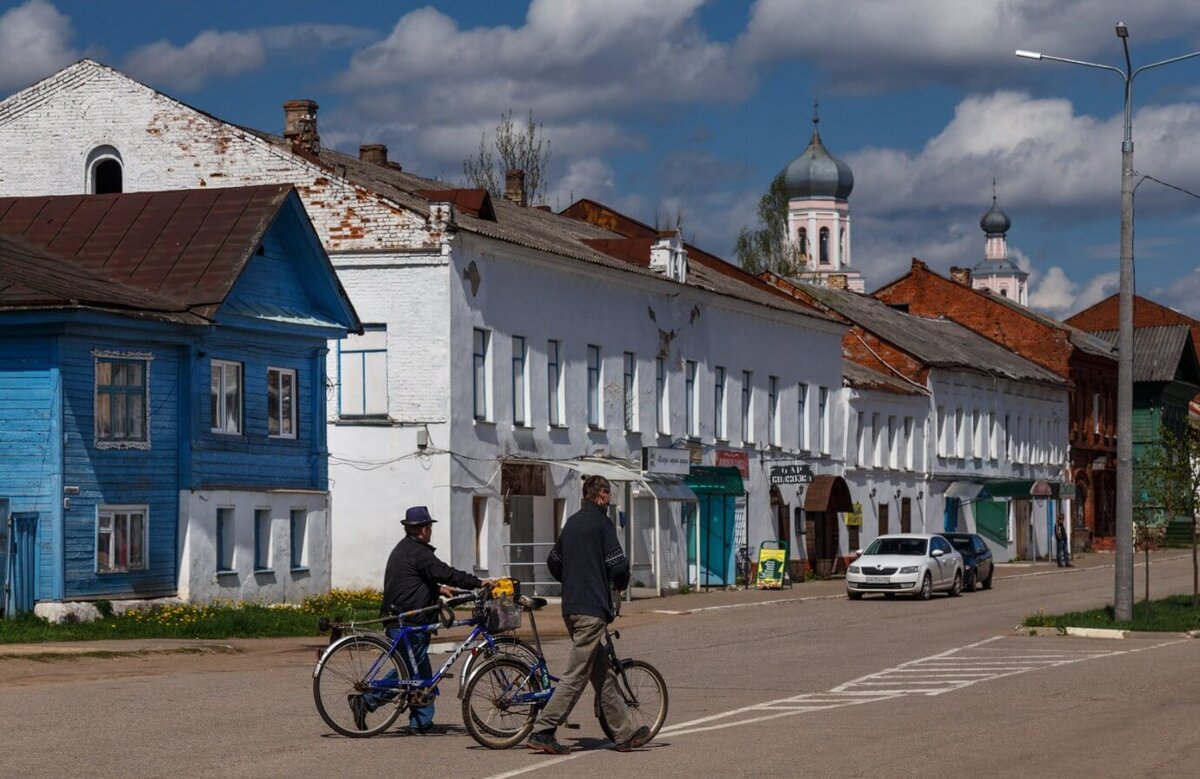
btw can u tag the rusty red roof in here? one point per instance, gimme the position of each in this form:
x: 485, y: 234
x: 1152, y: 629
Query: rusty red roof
x: 174, y: 253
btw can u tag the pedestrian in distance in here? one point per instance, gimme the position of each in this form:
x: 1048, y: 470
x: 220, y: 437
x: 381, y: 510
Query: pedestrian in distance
x: 587, y: 559
x: 1061, y: 553
x: 413, y: 579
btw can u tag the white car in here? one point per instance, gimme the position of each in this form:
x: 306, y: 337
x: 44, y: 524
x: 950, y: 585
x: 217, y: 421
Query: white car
x: 906, y: 563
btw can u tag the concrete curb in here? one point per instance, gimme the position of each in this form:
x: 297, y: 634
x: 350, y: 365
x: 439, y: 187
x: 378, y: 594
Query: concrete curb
x: 1098, y: 633
x: 1103, y: 633
x: 87, y: 649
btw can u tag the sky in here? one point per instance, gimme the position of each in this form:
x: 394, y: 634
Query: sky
x: 689, y: 108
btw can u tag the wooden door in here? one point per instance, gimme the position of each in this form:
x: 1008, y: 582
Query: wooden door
x: 885, y: 522
x: 906, y: 515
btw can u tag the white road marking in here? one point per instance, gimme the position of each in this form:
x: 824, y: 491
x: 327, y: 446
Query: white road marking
x: 948, y: 671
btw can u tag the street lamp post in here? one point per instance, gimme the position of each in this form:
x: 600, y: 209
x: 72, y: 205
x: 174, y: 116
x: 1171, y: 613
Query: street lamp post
x: 1123, y: 585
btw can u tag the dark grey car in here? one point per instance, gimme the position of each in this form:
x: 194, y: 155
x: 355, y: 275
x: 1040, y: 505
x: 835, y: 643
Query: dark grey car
x: 977, y: 559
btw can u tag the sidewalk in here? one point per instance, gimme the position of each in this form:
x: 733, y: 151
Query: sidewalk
x: 549, y: 619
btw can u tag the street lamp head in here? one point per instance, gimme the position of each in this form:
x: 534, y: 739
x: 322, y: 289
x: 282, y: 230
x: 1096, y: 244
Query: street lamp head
x: 1029, y: 55
x: 1122, y: 30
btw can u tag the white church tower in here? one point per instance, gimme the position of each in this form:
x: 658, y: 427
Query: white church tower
x: 818, y: 187
x: 996, y: 272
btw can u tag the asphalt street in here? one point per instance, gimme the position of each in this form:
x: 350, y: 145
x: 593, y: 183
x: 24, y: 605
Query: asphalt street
x: 807, y: 683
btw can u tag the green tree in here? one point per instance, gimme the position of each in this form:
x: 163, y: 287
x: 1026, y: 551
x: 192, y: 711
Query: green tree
x: 1170, y: 478
x: 768, y: 247
x: 511, y: 147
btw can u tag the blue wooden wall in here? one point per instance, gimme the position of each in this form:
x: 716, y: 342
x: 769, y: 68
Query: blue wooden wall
x: 30, y: 454
x: 120, y: 476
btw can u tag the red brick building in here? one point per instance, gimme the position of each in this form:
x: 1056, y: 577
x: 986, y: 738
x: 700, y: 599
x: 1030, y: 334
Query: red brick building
x: 1146, y: 313
x: 1087, y: 363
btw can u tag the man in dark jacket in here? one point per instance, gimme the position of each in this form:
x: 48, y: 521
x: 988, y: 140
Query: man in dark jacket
x: 413, y: 579
x: 589, y: 562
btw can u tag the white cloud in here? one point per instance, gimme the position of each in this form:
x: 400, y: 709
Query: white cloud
x: 1059, y: 296
x: 34, y: 42
x: 213, y: 54
x: 871, y: 45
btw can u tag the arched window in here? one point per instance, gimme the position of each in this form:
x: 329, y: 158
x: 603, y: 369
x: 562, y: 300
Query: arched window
x: 105, y: 171
x: 1004, y: 292
x: 802, y: 241
x: 842, y: 245
x: 824, y: 248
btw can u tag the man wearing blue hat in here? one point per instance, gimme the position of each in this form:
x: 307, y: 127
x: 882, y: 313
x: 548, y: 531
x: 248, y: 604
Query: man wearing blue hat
x: 413, y: 580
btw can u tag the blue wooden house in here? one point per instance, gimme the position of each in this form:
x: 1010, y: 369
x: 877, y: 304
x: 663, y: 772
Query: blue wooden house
x: 163, y: 394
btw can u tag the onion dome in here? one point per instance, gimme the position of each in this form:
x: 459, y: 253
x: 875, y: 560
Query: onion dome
x: 995, y: 221
x: 817, y: 174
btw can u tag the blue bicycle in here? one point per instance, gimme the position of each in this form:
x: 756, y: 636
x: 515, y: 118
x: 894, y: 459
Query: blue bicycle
x: 361, y: 685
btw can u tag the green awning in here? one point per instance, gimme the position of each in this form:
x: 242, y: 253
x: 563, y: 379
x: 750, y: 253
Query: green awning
x: 1020, y: 488
x: 715, y: 480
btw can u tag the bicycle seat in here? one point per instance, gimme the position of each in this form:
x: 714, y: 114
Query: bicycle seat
x: 533, y: 604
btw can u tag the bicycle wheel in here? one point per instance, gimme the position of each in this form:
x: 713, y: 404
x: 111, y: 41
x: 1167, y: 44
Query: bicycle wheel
x: 343, y: 692
x: 645, y: 694
x: 496, y: 709
x: 506, y: 646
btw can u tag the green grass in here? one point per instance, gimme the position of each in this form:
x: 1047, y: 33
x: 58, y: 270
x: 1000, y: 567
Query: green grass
x: 1175, y: 614
x: 206, y: 621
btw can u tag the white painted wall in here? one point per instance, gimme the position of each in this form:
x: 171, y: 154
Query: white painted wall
x: 198, y: 578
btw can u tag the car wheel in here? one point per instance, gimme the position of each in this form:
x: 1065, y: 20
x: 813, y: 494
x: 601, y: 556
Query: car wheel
x: 926, y: 588
x: 987, y: 583
x: 956, y: 588
x: 854, y: 595
x: 969, y: 583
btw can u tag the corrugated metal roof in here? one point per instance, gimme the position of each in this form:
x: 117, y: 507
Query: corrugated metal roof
x: 862, y: 377
x: 1156, y: 350
x: 936, y: 342
x: 176, y: 251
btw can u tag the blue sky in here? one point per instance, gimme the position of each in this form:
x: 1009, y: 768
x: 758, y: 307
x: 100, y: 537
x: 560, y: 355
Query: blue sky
x: 691, y: 106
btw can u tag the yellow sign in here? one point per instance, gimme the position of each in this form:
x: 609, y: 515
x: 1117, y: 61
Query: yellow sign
x: 854, y: 518
x: 771, y: 563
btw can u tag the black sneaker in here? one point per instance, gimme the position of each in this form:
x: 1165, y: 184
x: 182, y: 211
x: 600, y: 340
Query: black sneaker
x: 544, y: 742
x: 358, y: 707
x: 640, y: 738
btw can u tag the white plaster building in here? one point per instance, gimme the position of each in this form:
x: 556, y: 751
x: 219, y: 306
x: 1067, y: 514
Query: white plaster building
x: 503, y: 344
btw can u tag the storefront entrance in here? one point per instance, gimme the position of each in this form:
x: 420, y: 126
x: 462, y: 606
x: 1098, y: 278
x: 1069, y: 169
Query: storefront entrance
x: 712, y: 542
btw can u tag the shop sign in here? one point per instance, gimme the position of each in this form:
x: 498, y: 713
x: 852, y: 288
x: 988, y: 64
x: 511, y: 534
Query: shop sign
x: 665, y: 460
x: 697, y: 452
x: 854, y: 518
x: 798, y: 473
x: 731, y: 458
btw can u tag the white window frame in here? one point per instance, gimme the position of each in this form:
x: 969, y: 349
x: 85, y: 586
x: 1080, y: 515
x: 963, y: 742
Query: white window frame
x: 113, y: 357
x: 747, y: 407
x: 662, y: 399
x: 691, y: 400
x: 877, y: 440
x: 370, y: 366
x: 263, y: 533
x: 773, y: 411
x: 823, y: 420
x: 481, y: 375
x: 95, y: 158
x: 629, y: 392
x: 220, y: 539
x: 802, y: 416
x: 554, y: 383
x: 595, y: 387
x: 111, y: 513
x: 298, y: 558
x: 222, y: 367
x: 909, y: 443
x: 272, y: 411
x: 719, y: 416
x: 860, y: 456
x: 520, y: 381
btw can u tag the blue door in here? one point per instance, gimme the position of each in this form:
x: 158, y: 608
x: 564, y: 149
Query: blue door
x: 22, y: 563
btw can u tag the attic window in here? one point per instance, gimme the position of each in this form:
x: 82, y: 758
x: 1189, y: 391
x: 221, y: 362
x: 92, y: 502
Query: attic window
x: 105, y: 171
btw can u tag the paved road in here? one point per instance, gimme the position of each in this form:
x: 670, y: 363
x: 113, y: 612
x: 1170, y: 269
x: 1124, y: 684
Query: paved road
x: 814, y: 685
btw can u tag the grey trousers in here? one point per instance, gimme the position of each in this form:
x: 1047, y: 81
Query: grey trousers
x: 585, y: 662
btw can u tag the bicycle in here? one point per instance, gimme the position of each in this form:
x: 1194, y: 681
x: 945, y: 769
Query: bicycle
x: 502, y: 700
x: 360, y: 683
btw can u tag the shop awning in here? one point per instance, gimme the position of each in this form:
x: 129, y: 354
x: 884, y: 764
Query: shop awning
x: 964, y: 490
x: 1022, y: 488
x: 828, y: 493
x: 609, y: 469
x: 715, y: 480
x: 664, y: 488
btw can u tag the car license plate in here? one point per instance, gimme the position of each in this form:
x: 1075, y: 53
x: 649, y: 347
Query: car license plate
x: 878, y: 579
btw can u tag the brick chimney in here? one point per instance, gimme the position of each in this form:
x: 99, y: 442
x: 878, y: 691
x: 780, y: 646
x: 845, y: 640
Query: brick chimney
x: 918, y: 265
x: 374, y: 153
x: 837, y: 281
x: 514, y: 186
x: 300, y: 124
x: 961, y: 275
